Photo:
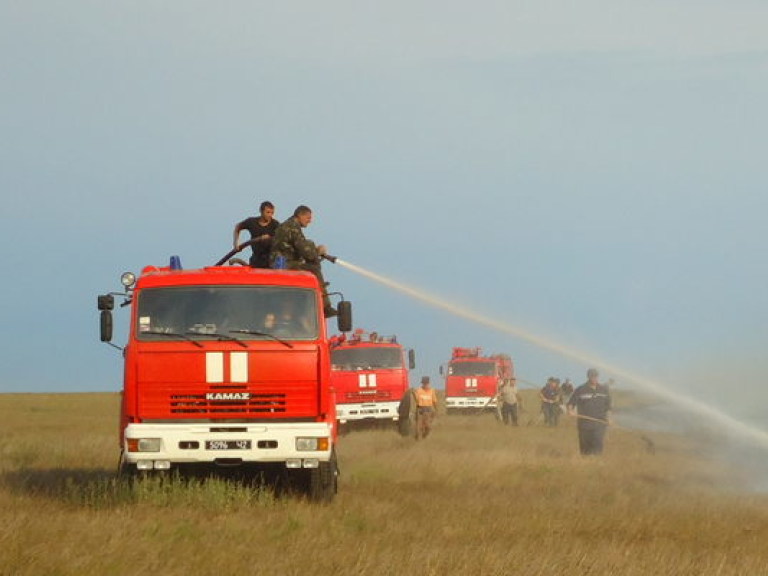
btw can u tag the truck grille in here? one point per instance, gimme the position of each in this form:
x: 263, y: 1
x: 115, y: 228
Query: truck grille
x: 371, y: 396
x: 257, y: 404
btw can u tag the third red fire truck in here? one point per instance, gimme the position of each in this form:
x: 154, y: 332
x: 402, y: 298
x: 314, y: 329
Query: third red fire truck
x: 472, y: 379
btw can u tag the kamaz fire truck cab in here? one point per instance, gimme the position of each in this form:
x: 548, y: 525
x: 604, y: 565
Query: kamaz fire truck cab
x: 228, y: 366
x: 370, y: 376
x: 472, y: 380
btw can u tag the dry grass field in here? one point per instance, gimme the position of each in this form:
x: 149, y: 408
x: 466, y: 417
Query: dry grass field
x: 475, y: 498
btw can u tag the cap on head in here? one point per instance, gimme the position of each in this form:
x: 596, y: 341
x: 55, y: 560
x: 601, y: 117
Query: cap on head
x: 425, y: 379
x: 592, y: 373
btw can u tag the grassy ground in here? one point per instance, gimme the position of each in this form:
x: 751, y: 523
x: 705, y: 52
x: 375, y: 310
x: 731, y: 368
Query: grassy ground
x: 474, y: 498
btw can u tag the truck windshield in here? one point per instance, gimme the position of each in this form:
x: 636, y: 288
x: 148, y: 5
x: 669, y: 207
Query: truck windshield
x: 472, y: 369
x: 366, y: 358
x: 208, y: 312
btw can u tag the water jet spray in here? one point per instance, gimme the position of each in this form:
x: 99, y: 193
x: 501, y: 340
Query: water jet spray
x: 740, y: 429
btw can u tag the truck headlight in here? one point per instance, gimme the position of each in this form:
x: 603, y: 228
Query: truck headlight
x: 128, y: 279
x: 144, y: 444
x: 312, y: 444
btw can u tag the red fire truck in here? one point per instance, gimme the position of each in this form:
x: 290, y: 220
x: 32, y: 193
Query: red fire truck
x: 472, y: 379
x: 369, y: 373
x: 228, y: 367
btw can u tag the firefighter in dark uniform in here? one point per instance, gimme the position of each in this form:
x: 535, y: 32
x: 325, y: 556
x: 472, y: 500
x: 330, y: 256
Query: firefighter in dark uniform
x: 591, y: 404
x: 299, y: 253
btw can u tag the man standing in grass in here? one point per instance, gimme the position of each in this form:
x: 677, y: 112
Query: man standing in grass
x: 550, y: 402
x: 566, y: 389
x: 426, y: 407
x: 591, y: 404
x: 508, y: 398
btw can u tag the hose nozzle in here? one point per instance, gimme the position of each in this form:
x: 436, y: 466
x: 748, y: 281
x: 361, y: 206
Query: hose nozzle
x: 329, y: 258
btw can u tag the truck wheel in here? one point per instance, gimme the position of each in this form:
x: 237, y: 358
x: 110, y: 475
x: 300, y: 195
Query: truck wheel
x: 406, y: 415
x: 323, y: 481
x: 125, y: 472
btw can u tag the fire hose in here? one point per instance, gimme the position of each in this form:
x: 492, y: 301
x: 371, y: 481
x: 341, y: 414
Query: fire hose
x: 244, y: 245
x: 650, y: 445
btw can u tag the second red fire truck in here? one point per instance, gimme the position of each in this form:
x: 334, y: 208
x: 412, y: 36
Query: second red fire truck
x: 369, y: 374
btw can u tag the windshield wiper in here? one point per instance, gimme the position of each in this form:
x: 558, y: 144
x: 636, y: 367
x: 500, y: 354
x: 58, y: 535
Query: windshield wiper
x: 267, y: 334
x: 220, y: 337
x: 173, y: 335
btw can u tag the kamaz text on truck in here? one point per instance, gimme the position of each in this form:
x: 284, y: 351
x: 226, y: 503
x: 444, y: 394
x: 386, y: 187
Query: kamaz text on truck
x: 472, y: 379
x: 370, y: 376
x: 228, y: 366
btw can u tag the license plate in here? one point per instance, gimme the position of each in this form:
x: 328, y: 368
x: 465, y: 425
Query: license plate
x: 227, y: 444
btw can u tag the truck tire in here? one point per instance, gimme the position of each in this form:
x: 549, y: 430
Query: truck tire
x: 323, y: 481
x: 125, y: 472
x: 406, y: 414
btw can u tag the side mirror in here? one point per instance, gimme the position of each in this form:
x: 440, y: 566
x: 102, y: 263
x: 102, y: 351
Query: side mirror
x: 344, y: 319
x: 411, y: 359
x: 441, y: 369
x: 106, y: 302
x: 106, y: 326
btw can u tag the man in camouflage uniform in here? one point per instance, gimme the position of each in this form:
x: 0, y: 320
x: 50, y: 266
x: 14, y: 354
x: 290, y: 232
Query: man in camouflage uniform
x: 298, y: 252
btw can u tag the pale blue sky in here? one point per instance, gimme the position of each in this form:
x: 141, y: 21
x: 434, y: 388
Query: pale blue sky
x: 591, y: 171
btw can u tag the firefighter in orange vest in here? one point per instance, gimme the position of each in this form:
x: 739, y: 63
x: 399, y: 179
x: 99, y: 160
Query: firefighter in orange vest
x: 426, y: 407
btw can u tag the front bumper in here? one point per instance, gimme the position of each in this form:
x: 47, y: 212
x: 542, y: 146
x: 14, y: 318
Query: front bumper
x: 470, y: 402
x: 366, y: 411
x: 226, y: 444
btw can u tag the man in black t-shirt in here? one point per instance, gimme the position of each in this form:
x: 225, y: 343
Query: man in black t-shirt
x: 262, y: 229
